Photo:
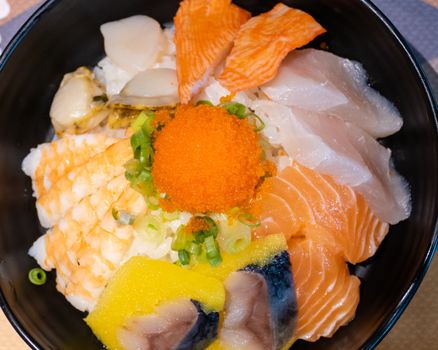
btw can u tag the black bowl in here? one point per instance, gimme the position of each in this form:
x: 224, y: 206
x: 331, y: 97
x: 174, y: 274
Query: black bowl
x: 64, y: 34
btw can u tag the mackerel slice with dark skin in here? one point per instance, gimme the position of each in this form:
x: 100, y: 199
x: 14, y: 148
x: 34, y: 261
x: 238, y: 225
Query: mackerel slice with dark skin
x: 179, y: 325
x: 260, y: 309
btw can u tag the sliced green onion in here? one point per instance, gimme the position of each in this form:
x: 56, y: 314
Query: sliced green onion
x: 211, y: 247
x: 259, y: 123
x: 194, y: 248
x: 100, y: 98
x: 213, y: 226
x: 139, y: 139
x: 235, y: 108
x: 138, y: 170
x: 115, y: 214
x: 151, y: 227
x: 179, y: 243
x: 237, y: 243
x: 143, y: 123
x: 249, y: 220
x: 215, y: 261
x: 37, y: 276
x: 146, y: 155
x: 212, y: 251
x: 204, y: 102
x: 200, y: 246
x: 139, y: 121
x: 234, y: 237
x: 180, y: 240
x: 133, y: 167
x: 201, y: 258
x: 200, y: 237
x: 153, y: 202
x: 184, y: 257
x: 170, y: 216
x: 123, y: 217
x: 146, y: 188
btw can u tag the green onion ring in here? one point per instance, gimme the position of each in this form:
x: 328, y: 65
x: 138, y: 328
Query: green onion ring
x: 249, y: 220
x: 184, y: 257
x: 204, y: 102
x: 37, y: 276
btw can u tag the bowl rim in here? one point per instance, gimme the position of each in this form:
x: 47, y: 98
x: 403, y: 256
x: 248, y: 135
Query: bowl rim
x: 387, y: 324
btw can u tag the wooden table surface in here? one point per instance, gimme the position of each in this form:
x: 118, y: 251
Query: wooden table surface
x: 418, y: 22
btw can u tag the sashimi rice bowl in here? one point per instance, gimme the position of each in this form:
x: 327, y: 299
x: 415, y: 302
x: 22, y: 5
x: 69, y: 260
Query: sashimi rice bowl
x: 212, y: 181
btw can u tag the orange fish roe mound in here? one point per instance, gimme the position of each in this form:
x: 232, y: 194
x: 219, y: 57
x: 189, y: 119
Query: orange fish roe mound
x: 207, y: 160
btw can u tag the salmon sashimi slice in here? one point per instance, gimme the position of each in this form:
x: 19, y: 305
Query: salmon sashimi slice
x: 262, y: 44
x: 82, y: 181
x: 298, y: 197
x: 204, y: 34
x: 327, y: 295
x: 46, y: 163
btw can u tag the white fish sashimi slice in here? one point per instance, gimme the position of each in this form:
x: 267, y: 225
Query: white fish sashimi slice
x: 46, y: 163
x: 133, y: 43
x: 285, y: 129
x: 340, y: 149
x: 82, y: 181
x: 319, y: 81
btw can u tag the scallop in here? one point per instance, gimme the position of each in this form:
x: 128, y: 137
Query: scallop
x: 133, y: 43
x: 151, y: 88
x: 78, y: 105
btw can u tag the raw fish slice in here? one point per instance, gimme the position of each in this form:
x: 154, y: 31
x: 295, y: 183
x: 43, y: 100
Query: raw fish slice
x: 337, y: 208
x: 317, y: 80
x: 204, y: 33
x: 180, y: 324
x: 263, y: 42
x: 246, y: 323
x: 82, y: 181
x: 327, y: 294
x: 298, y: 198
x: 49, y: 161
x: 333, y: 147
x: 260, y: 309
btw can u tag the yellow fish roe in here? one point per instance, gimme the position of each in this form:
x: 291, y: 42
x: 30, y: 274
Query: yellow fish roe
x: 207, y: 160
x: 140, y: 285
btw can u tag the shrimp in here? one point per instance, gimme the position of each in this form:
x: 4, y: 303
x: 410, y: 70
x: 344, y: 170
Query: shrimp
x: 46, y: 163
x: 88, y: 245
x: 82, y: 181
